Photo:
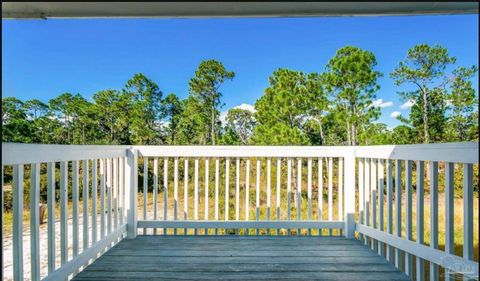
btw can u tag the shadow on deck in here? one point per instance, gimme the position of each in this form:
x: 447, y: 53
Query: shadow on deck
x: 240, y: 258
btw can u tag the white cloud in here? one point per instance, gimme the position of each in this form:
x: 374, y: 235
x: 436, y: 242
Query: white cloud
x: 381, y: 103
x: 244, y: 106
x: 448, y: 102
x: 395, y: 114
x: 407, y: 104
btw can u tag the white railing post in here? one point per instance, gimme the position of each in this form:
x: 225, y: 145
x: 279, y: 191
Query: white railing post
x: 131, y: 184
x: 349, y: 212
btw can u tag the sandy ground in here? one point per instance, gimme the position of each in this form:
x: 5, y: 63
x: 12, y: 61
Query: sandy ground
x: 8, y: 252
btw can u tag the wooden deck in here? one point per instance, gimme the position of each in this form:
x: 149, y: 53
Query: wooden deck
x: 244, y: 258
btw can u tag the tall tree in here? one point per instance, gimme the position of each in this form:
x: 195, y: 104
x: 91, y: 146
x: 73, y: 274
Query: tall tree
x: 84, y: 117
x: 375, y: 134
x: 15, y: 126
x: 282, y: 111
x: 38, y: 113
x: 146, y: 109
x: 63, y: 107
x: 424, y: 68
x: 402, y: 134
x: 112, y: 106
x: 463, y: 124
x: 35, y: 108
x: 241, y: 122
x: 318, y: 104
x: 436, y: 117
x: 352, y: 80
x: 193, y: 123
x: 209, y: 76
x: 173, y: 109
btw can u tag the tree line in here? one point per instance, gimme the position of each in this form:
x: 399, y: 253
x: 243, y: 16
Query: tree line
x: 333, y: 107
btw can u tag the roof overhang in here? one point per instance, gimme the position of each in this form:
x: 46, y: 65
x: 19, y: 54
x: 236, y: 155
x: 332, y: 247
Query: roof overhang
x: 26, y: 10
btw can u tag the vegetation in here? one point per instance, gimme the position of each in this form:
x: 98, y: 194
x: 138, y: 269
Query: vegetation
x: 333, y: 107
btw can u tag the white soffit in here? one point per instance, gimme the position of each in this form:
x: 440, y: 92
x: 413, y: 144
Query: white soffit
x: 25, y: 10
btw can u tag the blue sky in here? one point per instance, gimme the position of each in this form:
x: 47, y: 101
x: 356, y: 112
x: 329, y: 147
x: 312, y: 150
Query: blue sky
x: 44, y: 58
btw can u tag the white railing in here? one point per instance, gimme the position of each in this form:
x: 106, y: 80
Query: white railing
x: 243, y: 187
x: 98, y: 171
x: 242, y: 190
x: 386, y: 177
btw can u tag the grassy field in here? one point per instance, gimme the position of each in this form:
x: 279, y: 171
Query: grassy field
x: 263, y: 206
x: 458, y: 211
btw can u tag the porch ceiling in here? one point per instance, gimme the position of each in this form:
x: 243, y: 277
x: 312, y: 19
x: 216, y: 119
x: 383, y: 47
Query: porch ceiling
x: 227, y: 9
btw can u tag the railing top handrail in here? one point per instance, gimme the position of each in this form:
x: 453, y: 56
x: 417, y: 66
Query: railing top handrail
x: 242, y: 151
x: 26, y: 153
x: 19, y: 153
x: 457, y: 152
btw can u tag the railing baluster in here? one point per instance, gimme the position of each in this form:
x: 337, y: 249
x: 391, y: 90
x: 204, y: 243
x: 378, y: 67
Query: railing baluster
x: 115, y: 192
x: 85, y: 199
x: 279, y: 171
x: 121, y: 186
x: 227, y: 185
x: 330, y: 192
x: 247, y: 191
x: 75, y: 202
x: 175, y: 192
x: 398, y: 210
x: 299, y: 192
x: 381, y: 203
x: 268, y: 190
x: 433, y: 215
x: 109, y: 195
x: 289, y: 187
x: 367, y: 198
x: 145, y: 190
x: 237, y: 189
x: 361, y: 197
x: 373, y: 182
x: 340, y: 191
x: 257, y: 194
x: 420, y: 217
x: 165, y: 191
x: 449, y: 215
x: 309, y: 192
x: 320, y: 193
x: 185, y: 193
x: 468, y: 212
x: 217, y: 183
x: 389, y: 206
x: 155, y: 191
x: 35, y: 221
x: 102, y: 198
x: 51, y: 216
x: 17, y: 222
x: 408, y: 207
x: 195, y: 193
x: 94, y: 201
x: 207, y: 164
x: 63, y: 212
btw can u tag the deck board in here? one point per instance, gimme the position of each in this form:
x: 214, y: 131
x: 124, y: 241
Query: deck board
x: 239, y: 258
